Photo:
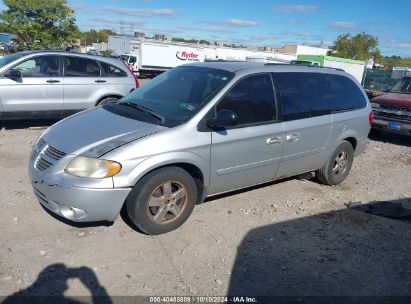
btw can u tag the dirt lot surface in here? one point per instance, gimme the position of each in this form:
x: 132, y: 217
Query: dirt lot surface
x: 292, y: 237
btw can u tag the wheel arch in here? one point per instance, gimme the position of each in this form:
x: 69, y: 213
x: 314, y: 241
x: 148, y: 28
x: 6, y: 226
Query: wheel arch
x: 353, y: 141
x: 117, y: 96
x: 350, y: 135
x: 191, y: 169
x: 193, y: 164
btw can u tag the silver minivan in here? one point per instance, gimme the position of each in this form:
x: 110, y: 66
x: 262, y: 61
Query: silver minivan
x: 196, y: 131
x: 45, y: 84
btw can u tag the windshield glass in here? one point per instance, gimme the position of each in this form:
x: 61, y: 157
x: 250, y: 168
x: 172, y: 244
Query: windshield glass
x: 402, y: 86
x: 177, y: 95
x: 9, y: 58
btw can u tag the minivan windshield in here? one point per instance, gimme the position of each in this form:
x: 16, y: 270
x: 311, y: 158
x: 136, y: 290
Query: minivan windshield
x: 402, y: 86
x: 9, y: 58
x: 178, y: 94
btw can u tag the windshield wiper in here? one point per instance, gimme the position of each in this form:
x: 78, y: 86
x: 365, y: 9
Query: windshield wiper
x: 143, y: 109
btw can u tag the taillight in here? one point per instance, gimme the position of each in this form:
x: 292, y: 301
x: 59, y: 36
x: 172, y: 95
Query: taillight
x: 131, y: 69
x: 137, y: 83
x: 370, y: 118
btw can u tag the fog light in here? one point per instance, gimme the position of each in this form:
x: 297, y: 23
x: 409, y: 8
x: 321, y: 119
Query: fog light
x: 71, y: 213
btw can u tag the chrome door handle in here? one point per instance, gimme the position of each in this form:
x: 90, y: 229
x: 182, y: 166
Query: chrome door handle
x: 292, y: 137
x: 273, y: 140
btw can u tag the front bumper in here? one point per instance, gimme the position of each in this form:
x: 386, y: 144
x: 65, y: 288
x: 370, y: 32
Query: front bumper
x: 382, y: 124
x: 79, y: 204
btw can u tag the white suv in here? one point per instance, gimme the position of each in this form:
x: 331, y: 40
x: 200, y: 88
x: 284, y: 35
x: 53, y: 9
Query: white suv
x: 44, y: 84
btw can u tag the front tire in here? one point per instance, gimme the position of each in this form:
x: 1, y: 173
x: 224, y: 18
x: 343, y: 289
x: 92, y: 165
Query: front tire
x: 162, y: 200
x: 338, y: 166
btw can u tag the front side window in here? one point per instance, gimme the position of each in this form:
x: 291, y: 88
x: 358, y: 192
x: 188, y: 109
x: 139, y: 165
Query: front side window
x: 176, y: 95
x: 81, y: 67
x: 252, y: 99
x: 42, y: 66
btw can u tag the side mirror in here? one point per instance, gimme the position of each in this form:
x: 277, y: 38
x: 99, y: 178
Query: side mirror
x: 13, y: 74
x: 225, y: 118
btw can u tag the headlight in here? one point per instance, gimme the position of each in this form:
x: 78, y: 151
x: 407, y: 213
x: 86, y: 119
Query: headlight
x: 92, y: 167
x: 375, y: 105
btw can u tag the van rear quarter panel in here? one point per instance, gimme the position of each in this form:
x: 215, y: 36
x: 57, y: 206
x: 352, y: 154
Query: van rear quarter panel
x: 353, y: 123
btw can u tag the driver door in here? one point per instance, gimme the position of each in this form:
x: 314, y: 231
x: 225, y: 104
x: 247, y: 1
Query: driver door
x: 248, y: 153
x: 39, y: 90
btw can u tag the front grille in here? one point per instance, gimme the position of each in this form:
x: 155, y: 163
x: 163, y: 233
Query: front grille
x: 41, y: 144
x: 47, y: 156
x: 396, y: 108
x: 393, y: 113
x: 42, y: 164
x: 54, y: 153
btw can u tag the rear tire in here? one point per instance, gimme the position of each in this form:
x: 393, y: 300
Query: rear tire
x: 162, y: 200
x: 338, y: 166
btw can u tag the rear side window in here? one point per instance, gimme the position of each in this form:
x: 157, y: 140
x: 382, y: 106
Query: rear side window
x: 302, y: 95
x: 81, y: 67
x: 307, y: 95
x: 252, y: 99
x: 344, y: 94
x: 112, y: 71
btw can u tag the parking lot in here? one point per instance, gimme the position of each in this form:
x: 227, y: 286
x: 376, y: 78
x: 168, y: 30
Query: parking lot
x: 291, y: 237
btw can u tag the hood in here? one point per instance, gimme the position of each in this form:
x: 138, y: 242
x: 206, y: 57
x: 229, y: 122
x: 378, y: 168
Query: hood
x: 394, y: 100
x: 95, y: 132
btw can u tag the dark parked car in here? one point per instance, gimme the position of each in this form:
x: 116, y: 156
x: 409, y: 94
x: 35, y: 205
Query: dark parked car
x: 392, y: 111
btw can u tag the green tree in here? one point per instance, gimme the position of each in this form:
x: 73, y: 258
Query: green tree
x: 202, y: 41
x: 107, y: 53
x: 360, y: 47
x: 178, y: 39
x: 93, y: 36
x: 39, y: 24
x: 394, y: 61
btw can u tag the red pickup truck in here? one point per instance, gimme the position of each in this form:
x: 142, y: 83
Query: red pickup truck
x: 392, y: 110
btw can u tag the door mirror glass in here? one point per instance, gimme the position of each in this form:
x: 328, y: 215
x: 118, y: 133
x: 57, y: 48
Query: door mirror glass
x: 225, y: 118
x: 13, y: 74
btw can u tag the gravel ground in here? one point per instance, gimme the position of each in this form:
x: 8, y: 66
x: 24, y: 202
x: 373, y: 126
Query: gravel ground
x: 291, y: 237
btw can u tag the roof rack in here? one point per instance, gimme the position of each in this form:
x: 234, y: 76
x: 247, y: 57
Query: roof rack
x: 330, y: 68
x: 276, y: 63
x: 222, y: 60
x: 307, y: 65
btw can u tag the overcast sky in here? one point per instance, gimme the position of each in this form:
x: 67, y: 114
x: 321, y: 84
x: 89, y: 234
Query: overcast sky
x: 258, y: 22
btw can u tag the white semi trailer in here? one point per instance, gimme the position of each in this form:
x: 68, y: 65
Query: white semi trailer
x: 153, y: 57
